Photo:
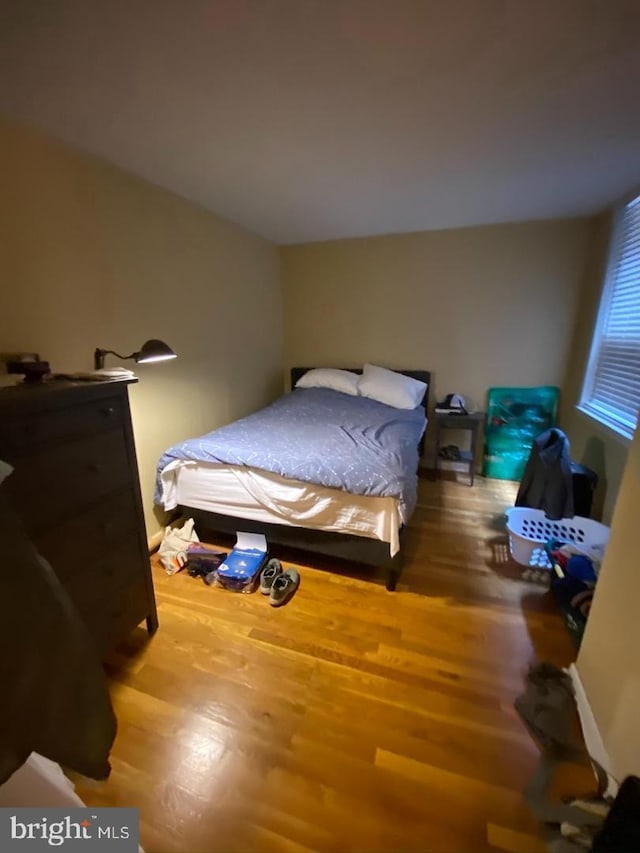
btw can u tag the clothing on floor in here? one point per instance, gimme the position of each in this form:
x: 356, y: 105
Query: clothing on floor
x: 547, y: 707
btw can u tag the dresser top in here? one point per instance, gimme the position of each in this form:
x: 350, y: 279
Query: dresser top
x: 58, y: 392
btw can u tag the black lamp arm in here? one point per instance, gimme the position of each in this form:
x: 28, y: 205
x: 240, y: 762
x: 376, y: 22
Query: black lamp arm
x: 99, y: 354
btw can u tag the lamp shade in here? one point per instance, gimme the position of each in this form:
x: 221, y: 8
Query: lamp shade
x: 154, y: 350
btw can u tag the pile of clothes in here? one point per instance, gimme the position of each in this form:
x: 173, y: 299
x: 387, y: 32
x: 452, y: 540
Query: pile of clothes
x: 574, y: 574
x: 595, y: 821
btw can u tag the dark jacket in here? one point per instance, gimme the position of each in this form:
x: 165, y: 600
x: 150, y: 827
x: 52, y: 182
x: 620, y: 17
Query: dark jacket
x: 547, y: 483
x: 55, y: 699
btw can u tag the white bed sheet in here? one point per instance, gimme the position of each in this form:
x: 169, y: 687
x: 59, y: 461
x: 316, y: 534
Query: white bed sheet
x: 262, y: 496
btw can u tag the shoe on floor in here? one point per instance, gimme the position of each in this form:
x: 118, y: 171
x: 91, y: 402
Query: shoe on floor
x: 283, y: 587
x: 271, y: 571
x: 450, y: 452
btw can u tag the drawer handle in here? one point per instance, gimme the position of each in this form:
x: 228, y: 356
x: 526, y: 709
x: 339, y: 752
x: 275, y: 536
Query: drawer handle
x: 108, y: 411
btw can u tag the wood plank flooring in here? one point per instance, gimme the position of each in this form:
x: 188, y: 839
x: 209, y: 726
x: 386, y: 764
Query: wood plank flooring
x: 352, y: 719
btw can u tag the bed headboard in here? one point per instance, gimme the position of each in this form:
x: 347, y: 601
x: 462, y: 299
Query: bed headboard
x: 422, y: 375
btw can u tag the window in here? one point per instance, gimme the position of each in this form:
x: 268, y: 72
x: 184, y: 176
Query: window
x: 611, y: 391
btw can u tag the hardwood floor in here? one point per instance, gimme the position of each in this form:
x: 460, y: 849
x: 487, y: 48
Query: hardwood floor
x: 352, y: 719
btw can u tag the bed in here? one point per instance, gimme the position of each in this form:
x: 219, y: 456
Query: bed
x: 317, y: 470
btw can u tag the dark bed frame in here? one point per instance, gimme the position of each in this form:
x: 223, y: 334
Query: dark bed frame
x: 345, y: 546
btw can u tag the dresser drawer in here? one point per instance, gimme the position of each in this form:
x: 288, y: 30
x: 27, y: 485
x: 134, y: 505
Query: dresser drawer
x: 120, y: 615
x: 52, y: 485
x: 71, y: 545
x: 24, y: 431
x: 102, y: 575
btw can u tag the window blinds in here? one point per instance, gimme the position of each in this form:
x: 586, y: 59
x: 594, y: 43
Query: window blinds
x: 612, y: 386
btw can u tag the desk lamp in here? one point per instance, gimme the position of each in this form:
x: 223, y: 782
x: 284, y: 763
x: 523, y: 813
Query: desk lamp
x: 152, y: 350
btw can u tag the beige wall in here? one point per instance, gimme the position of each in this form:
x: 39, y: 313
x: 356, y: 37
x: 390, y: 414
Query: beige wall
x: 591, y: 443
x: 91, y: 256
x: 477, y: 306
x: 608, y: 662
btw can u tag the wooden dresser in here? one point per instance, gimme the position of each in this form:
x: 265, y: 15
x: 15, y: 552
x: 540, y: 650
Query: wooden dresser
x: 76, y: 487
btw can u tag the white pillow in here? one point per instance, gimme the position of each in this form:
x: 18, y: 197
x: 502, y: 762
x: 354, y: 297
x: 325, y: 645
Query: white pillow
x: 330, y: 377
x: 394, y: 389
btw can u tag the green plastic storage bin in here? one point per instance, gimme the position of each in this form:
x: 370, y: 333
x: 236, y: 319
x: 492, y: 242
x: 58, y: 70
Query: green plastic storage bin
x: 515, y: 416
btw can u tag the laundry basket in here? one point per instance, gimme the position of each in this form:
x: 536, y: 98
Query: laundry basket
x: 529, y: 530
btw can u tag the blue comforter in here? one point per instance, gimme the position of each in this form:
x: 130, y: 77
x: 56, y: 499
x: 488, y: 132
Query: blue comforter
x: 320, y: 436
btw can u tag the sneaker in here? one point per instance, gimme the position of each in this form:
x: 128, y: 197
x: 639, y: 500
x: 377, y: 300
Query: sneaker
x: 272, y: 569
x: 450, y: 452
x: 283, y: 587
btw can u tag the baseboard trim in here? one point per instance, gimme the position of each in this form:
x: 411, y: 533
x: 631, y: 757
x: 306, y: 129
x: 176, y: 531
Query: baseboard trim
x: 153, y: 541
x: 592, y: 737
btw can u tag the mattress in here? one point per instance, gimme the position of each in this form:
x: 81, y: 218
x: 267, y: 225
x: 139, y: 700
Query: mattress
x: 260, y: 495
x: 319, y: 436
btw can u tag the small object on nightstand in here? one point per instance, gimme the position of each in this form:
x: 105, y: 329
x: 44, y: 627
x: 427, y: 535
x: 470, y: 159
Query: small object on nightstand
x: 453, y: 404
x: 469, y: 422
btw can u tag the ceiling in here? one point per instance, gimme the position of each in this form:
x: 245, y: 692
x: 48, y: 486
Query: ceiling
x: 310, y: 120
